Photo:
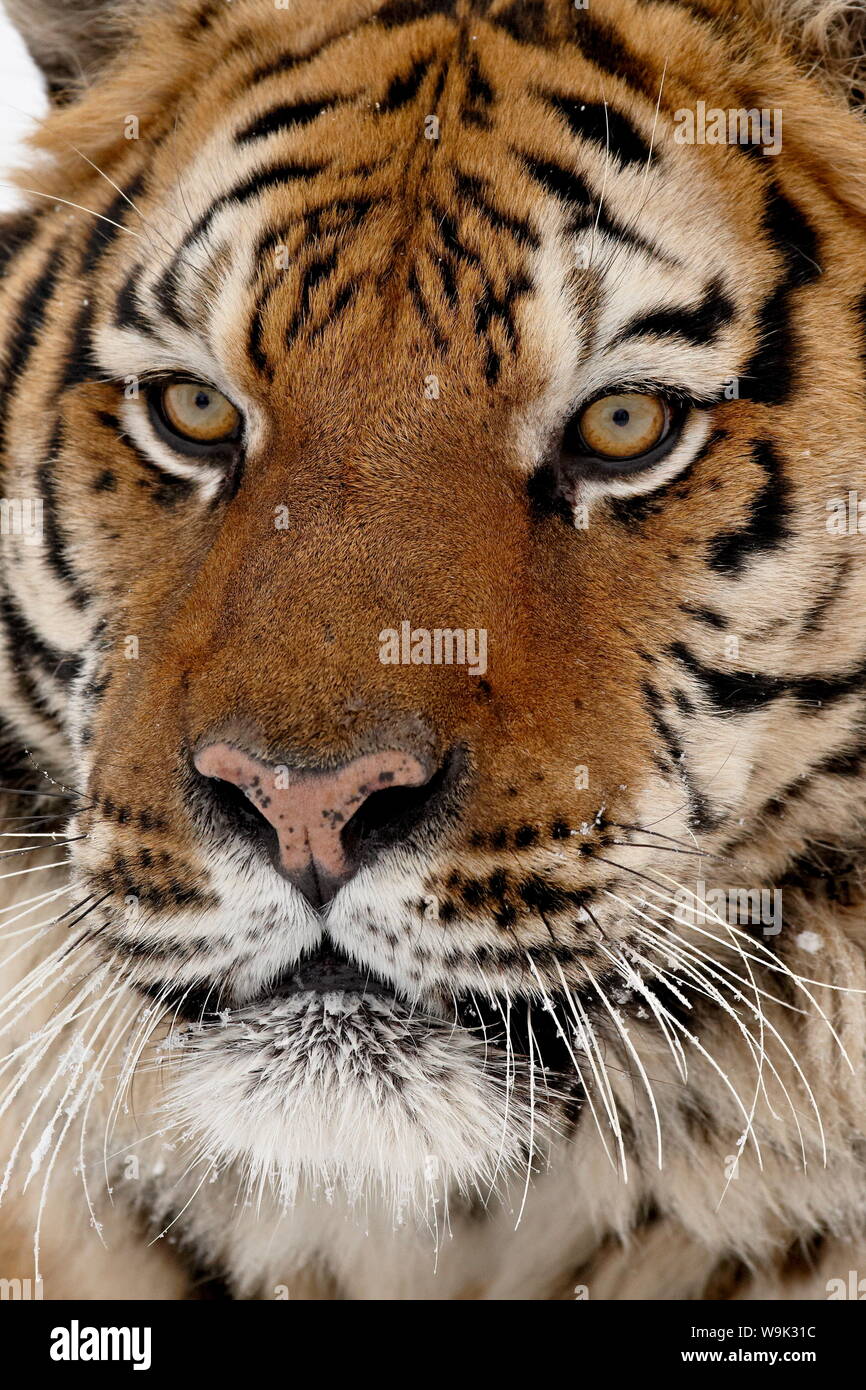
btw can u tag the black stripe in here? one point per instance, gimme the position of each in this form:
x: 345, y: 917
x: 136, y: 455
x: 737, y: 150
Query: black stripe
x: 524, y: 20
x: 398, y: 12
x: 813, y: 620
x: 564, y: 184
x: 743, y: 691
x: 478, y: 89
x: 423, y: 309
x: 848, y: 761
x: 445, y: 266
x: 28, y: 318
x: 652, y: 695
x: 29, y: 691
x: 439, y: 88
x: 16, y: 768
x: 271, y: 240
x: 314, y: 273
x: 404, y: 89
x: 570, y: 189
x: 168, y: 288
x: 341, y: 214
x: 288, y: 62
x: 250, y: 188
x: 333, y: 217
x: 202, y: 19
x: 860, y: 311
x: 731, y: 693
x: 103, y: 234
x: 17, y: 230
x: 54, y: 537
x: 489, y: 308
x: 284, y: 117
x: 767, y: 526
x: 81, y: 365
x: 705, y: 615
x: 699, y: 326
x: 449, y: 232
x: 344, y: 297
x: 26, y: 649
x: 700, y: 816
x: 603, y: 45
x: 476, y: 190
x: 479, y: 95
x: 167, y: 293
x: 255, y: 345
x: 607, y: 226
x: 493, y: 365
x: 794, y: 238
x: 771, y: 373
x: 128, y: 312
x: 604, y: 126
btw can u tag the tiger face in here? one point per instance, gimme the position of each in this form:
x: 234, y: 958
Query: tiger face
x: 436, y: 443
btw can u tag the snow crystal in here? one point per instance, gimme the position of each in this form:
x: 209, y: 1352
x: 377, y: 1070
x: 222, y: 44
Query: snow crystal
x: 809, y: 941
x: 40, y: 1153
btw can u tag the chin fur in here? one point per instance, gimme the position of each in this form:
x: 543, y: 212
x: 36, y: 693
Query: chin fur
x: 354, y: 1091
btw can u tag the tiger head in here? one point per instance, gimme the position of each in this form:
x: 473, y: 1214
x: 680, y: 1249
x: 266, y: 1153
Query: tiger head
x: 442, y: 413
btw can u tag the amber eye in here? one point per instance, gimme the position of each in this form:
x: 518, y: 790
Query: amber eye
x: 624, y: 427
x: 198, y: 413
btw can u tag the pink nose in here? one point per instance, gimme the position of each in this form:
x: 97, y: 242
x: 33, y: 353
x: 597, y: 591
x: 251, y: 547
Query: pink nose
x: 310, y: 811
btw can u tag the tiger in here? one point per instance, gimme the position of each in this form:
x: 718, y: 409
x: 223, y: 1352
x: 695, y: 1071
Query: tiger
x: 433, y: 670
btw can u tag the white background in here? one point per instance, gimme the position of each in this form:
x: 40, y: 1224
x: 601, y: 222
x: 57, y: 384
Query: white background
x: 21, y: 97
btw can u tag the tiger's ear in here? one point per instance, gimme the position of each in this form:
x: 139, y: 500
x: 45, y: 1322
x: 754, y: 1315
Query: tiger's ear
x: 826, y: 38
x: 71, y: 40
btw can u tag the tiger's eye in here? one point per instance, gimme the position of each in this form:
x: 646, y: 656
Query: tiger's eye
x: 199, y: 412
x: 624, y: 426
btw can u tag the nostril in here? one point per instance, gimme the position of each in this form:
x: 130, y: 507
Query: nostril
x: 238, y: 811
x: 386, y: 817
